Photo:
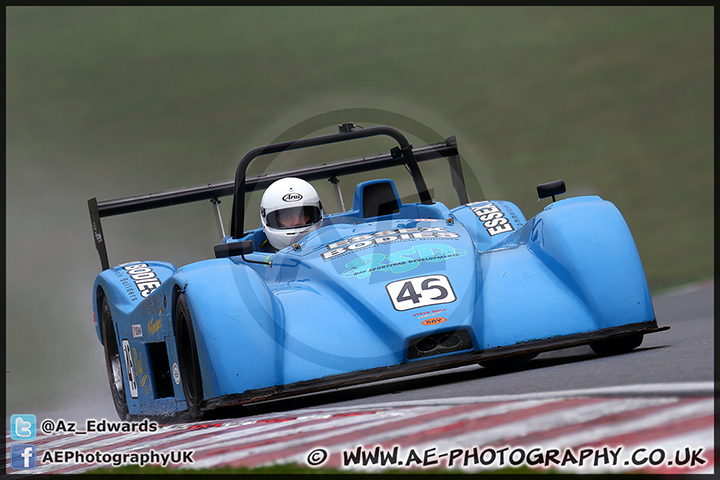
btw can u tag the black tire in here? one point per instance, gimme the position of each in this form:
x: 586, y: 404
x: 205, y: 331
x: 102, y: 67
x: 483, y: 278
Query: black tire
x: 113, y: 361
x: 617, y: 345
x: 188, y: 359
x: 509, y: 362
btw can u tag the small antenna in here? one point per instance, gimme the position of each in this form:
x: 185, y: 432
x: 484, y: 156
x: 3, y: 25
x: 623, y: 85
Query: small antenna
x: 348, y: 127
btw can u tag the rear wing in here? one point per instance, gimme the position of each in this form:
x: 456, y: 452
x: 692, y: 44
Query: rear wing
x: 330, y: 171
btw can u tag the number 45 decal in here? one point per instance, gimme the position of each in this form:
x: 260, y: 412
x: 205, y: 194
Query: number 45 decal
x: 420, y: 292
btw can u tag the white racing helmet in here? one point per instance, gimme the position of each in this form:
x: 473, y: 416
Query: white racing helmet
x: 288, y: 207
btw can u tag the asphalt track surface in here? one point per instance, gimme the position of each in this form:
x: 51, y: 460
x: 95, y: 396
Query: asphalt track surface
x: 658, y: 398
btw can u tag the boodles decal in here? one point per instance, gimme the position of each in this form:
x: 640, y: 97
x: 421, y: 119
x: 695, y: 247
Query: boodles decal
x: 144, y: 277
x: 361, y: 242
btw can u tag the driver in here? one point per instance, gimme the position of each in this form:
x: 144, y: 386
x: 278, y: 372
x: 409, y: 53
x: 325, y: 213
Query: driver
x: 288, y: 206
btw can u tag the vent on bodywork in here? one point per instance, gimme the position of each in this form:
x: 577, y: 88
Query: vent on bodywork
x: 439, y: 343
x: 161, y: 369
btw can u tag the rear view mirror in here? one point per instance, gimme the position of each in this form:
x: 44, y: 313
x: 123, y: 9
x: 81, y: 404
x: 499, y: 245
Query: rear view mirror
x: 551, y: 189
x: 232, y: 249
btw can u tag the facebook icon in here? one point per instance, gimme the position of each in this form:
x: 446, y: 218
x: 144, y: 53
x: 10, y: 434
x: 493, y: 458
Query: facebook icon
x: 22, y: 456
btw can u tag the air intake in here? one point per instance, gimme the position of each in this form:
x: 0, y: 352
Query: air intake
x: 439, y: 343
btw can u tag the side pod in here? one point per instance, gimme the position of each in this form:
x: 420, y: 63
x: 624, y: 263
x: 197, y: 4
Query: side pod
x: 236, y: 320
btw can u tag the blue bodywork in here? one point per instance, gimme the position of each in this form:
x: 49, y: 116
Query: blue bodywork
x: 359, y: 299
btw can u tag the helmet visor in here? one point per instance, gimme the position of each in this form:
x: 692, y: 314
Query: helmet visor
x: 294, y: 217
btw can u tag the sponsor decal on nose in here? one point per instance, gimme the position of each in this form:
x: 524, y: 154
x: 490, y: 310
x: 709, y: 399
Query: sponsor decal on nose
x: 434, y: 321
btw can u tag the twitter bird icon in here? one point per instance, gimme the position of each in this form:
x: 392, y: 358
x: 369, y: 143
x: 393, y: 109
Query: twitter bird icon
x: 23, y: 426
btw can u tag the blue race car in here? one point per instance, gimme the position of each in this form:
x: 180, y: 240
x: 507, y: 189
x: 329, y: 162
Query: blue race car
x: 383, y: 289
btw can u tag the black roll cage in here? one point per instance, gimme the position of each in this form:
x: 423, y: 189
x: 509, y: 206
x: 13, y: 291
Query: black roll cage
x: 403, y: 154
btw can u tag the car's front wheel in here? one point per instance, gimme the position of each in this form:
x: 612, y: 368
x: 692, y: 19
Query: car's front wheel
x: 113, y: 361
x: 617, y: 345
x: 188, y: 358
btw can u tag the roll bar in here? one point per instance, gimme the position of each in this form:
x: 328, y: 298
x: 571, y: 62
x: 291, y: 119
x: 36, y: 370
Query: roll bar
x: 347, y: 132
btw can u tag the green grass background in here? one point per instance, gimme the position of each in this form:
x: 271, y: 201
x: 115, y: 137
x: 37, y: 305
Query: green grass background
x: 115, y: 101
